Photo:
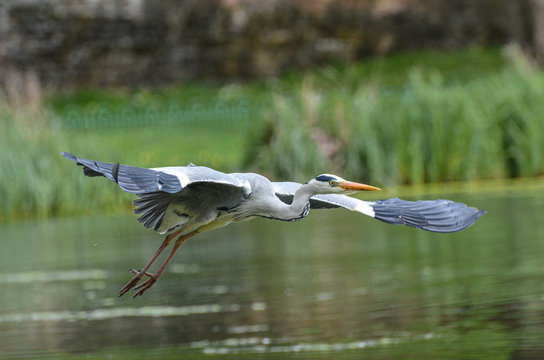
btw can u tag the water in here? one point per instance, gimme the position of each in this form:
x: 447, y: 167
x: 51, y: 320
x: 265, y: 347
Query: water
x: 337, y: 285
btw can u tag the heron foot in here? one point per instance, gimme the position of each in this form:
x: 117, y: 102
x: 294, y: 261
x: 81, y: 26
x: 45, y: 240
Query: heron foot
x: 134, y: 281
x: 154, y: 277
x: 145, y: 285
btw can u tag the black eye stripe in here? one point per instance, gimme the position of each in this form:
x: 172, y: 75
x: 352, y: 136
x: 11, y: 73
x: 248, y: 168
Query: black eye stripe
x: 325, y: 178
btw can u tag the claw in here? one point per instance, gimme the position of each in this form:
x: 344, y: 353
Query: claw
x: 145, y: 285
x: 133, y: 282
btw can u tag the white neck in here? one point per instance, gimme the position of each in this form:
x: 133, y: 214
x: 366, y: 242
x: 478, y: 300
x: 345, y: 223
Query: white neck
x: 298, y: 209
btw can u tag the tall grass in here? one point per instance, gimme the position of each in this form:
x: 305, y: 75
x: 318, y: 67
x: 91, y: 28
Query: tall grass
x: 427, y: 131
x: 282, y: 140
x: 34, y: 179
x: 417, y: 126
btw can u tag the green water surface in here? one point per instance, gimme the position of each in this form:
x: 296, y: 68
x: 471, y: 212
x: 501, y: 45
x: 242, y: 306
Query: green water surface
x: 337, y: 285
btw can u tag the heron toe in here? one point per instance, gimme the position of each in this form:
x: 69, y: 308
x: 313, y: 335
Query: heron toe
x: 132, y: 283
x: 145, y: 285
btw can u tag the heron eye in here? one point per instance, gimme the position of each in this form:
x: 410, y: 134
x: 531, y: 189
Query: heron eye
x: 332, y: 183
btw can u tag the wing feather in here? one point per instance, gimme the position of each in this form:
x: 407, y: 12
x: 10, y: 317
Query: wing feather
x: 140, y: 181
x: 431, y: 215
x: 131, y: 179
x: 158, y: 187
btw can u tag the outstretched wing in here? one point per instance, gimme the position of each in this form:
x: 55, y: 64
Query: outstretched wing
x: 131, y: 179
x: 158, y: 187
x: 432, y: 215
x: 137, y: 180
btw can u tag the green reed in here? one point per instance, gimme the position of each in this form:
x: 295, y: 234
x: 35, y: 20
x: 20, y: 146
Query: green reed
x: 429, y: 130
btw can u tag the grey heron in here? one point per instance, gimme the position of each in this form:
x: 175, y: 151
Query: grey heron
x: 184, y: 201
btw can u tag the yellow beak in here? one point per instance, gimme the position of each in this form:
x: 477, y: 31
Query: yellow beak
x: 353, y: 186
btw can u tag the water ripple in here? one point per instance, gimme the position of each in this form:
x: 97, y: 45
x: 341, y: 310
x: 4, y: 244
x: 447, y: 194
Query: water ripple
x: 253, y: 345
x: 102, y: 314
x: 49, y: 276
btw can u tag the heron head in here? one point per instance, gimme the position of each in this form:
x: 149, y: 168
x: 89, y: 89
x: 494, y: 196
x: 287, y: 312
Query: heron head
x: 332, y: 184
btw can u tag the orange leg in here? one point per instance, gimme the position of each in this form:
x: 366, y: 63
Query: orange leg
x: 141, y: 273
x: 153, y: 278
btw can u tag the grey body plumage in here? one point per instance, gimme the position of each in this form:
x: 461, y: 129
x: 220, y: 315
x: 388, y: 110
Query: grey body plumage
x: 193, y: 199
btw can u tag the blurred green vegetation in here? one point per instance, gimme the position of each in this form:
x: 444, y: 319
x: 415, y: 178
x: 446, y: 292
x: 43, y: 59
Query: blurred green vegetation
x: 435, y: 128
x: 34, y: 181
x: 405, y: 119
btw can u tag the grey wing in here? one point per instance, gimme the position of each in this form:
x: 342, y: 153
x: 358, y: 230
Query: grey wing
x: 201, y: 200
x: 158, y: 187
x: 432, y: 215
x: 131, y: 179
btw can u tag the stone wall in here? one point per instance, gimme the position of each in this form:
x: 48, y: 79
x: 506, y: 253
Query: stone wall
x: 71, y: 43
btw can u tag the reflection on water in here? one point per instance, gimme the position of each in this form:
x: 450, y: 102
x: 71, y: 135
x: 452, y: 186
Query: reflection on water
x: 46, y: 276
x: 337, y: 285
x: 118, y: 312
